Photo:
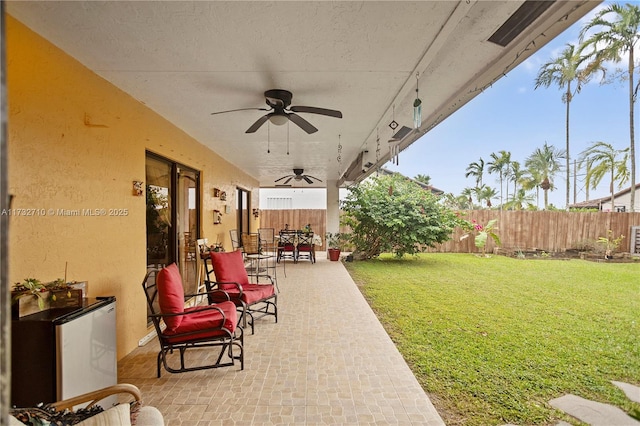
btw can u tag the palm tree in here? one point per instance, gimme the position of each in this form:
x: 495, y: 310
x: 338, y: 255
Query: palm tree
x: 500, y: 164
x: 520, y: 201
x: 563, y: 71
x: 618, y: 36
x: 516, y: 174
x: 426, y: 179
x: 602, y: 159
x: 467, y: 193
x: 486, y: 193
x: 476, y: 169
x: 545, y: 164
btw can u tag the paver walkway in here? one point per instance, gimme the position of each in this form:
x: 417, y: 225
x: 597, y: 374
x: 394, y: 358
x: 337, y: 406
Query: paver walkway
x: 328, y: 360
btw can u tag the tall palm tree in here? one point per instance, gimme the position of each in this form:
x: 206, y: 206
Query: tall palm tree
x: 515, y: 175
x: 619, y: 34
x: 544, y: 163
x: 500, y: 164
x: 476, y: 169
x: 563, y: 71
x: 603, y: 159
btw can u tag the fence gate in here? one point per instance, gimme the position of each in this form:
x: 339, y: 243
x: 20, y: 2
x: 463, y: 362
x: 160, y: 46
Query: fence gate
x: 635, y: 240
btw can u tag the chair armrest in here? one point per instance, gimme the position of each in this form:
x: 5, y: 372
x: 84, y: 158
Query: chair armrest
x: 96, y: 396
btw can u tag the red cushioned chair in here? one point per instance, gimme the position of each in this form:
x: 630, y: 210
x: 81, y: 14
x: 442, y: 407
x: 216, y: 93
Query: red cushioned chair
x: 306, y: 248
x: 208, y: 326
x: 254, y: 300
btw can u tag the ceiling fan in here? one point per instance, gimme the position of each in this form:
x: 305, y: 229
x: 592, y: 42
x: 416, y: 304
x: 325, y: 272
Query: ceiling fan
x: 280, y: 111
x: 298, y: 174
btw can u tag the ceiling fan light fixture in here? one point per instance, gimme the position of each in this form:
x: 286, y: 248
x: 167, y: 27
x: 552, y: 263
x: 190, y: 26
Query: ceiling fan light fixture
x: 278, y: 120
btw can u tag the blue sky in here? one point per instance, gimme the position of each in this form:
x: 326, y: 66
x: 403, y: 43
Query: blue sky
x: 512, y: 116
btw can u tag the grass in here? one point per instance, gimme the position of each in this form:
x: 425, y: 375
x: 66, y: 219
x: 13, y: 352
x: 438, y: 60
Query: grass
x: 492, y: 340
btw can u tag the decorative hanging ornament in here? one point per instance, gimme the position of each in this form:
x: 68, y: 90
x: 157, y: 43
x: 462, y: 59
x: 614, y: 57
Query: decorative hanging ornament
x: 417, y: 106
x: 394, y: 144
x: 339, y: 158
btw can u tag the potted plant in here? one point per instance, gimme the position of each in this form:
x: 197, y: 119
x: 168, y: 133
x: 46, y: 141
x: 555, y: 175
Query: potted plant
x: 334, y: 244
x: 28, y: 297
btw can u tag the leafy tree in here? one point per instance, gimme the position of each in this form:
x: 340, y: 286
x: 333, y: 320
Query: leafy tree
x: 394, y: 214
x: 565, y: 71
x: 544, y: 164
x: 500, y: 164
x: 426, y: 179
x: 619, y: 33
x: 603, y: 159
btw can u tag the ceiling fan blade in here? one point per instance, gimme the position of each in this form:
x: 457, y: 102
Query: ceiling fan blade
x: 288, y: 180
x: 240, y: 109
x: 314, y: 110
x: 255, y: 126
x: 309, y: 181
x: 313, y: 177
x: 283, y: 177
x: 302, y: 123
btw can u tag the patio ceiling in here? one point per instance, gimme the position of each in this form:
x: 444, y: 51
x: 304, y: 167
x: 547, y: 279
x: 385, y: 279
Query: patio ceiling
x: 187, y: 59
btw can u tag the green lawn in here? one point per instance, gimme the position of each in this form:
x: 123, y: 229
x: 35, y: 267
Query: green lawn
x: 491, y: 340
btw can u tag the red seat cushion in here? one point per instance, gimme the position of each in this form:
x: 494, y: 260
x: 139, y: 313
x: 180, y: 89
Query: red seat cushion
x: 170, y: 295
x: 229, y: 267
x: 203, y: 318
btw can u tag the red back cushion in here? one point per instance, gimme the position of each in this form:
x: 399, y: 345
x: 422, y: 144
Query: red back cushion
x: 229, y: 267
x: 171, y: 295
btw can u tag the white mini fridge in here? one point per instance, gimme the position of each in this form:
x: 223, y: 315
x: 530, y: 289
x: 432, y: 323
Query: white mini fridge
x: 61, y: 353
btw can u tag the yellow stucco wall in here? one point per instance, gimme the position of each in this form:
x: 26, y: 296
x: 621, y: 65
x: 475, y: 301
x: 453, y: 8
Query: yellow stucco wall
x: 77, y: 142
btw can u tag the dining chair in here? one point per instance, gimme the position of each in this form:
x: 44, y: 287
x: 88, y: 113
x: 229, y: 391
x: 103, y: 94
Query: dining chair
x: 287, y: 245
x: 306, y: 248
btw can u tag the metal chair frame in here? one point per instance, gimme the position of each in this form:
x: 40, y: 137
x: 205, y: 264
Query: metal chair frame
x: 225, y: 341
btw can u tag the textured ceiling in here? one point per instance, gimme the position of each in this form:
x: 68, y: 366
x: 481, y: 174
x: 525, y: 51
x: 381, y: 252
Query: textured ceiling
x: 187, y: 59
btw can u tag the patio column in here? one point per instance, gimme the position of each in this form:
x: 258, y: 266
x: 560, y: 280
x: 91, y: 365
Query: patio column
x: 333, y: 207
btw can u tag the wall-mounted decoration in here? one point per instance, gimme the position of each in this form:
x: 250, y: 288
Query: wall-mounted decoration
x: 138, y: 188
x: 217, y: 217
x: 223, y: 196
x: 216, y: 192
x: 256, y: 213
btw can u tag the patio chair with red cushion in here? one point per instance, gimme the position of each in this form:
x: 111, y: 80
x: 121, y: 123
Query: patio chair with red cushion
x: 254, y: 300
x: 306, y: 248
x: 208, y: 326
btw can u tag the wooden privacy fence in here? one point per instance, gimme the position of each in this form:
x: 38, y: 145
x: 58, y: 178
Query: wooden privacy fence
x: 550, y: 231
x: 544, y: 230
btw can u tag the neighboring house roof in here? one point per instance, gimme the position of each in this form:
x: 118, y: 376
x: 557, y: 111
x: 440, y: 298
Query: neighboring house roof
x: 433, y: 189
x: 596, y: 203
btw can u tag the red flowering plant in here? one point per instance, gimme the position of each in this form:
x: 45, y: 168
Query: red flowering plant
x: 483, y: 232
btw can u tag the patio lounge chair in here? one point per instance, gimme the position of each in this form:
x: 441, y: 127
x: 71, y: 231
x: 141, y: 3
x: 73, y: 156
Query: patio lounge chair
x: 254, y: 300
x: 208, y: 326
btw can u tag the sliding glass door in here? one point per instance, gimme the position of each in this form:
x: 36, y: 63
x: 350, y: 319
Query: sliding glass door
x: 173, y: 216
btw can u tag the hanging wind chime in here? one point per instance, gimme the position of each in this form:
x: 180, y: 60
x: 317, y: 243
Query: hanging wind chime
x: 339, y: 158
x: 394, y: 144
x: 417, y: 106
